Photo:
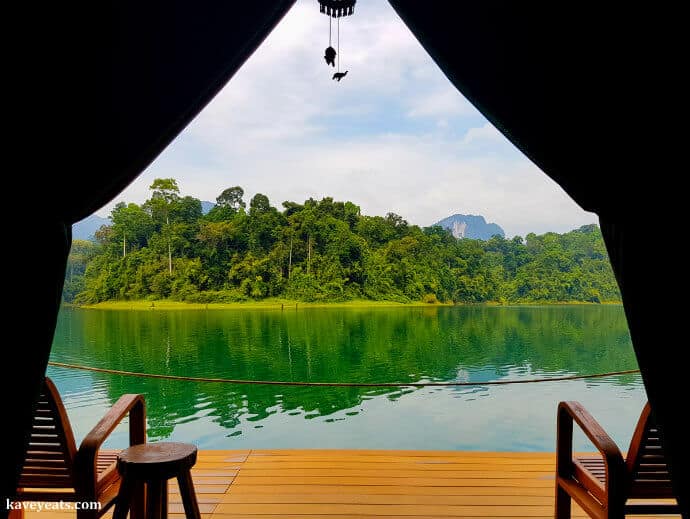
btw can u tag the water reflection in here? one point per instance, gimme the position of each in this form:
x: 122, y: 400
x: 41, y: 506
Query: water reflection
x: 357, y: 345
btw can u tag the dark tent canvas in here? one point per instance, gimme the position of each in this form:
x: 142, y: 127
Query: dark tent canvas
x: 134, y: 74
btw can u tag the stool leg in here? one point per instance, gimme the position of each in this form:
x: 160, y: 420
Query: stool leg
x: 157, y: 499
x: 191, y: 507
x: 137, y: 505
x: 123, y: 499
x: 164, y: 499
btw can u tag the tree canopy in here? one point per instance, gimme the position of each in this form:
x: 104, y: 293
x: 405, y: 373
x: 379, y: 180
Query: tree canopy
x: 322, y: 250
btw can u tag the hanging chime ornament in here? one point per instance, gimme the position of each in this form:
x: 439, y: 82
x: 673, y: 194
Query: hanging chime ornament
x: 335, y: 9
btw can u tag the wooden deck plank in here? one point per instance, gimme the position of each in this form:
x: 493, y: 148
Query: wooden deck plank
x: 204, y: 489
x: 357, y: 516
x: 225, y: 452
x: 422, y: 482
x: 353, y: 516
x: 388, y: 509
x: 418, y: 472
x: 201, y: 498
x: 383, y: 499
x: 228, y: 474
x: 362, y: 484
x: 204, y: 508
x: 216, y: 465
x: 391, y: 490
x: 475, y: 464
x: 375, y: 460
x: 393, y: 452
x: 202, y: 480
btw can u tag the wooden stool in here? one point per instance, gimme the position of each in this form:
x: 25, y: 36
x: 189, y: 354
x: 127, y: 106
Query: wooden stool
x: 154, y: 464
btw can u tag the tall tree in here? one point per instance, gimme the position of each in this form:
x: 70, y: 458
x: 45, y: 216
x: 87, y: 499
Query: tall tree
x: 165, y: 194
x: 259, y: 204
x: 131, y: 225
x: 231, y: 198
x: 228, y: 204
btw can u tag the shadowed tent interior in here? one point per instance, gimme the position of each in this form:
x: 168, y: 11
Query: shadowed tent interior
x: 567, y: 85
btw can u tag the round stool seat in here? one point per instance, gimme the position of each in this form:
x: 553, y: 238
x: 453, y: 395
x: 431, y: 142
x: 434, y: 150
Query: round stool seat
x: 162, y: 460
x: 152, y: 465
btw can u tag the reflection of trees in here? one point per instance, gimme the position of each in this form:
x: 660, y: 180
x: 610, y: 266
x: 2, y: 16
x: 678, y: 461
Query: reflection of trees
x: 358, y: 345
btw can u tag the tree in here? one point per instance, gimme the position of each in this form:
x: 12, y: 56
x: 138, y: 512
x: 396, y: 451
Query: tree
x: 131, y: 226
x: 291, y: 208
x: 398, y: 223
x: 263, y: 224
x: 165, y: 190
x: 186, y: 210
x: 259, y: 204
x: 80, y: 254
x: 165, y: 194
x: 228, y: 204
x: 231, y: 198
x: 375, y: 230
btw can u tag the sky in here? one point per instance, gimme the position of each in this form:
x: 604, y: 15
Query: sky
x: 393, y: 135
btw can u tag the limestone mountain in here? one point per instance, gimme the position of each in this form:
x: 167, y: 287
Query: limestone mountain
x: 470, y: 226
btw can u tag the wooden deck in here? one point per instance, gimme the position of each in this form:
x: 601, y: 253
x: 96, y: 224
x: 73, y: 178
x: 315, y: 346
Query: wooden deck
x: 354, y: 484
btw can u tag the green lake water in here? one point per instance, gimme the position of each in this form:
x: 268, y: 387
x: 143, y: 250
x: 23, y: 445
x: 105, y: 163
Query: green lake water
x: 405, y: 344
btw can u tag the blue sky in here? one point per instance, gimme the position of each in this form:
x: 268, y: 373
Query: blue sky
x: 394, y: 135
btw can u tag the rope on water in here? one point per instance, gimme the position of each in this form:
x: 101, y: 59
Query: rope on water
x: 341, y: 384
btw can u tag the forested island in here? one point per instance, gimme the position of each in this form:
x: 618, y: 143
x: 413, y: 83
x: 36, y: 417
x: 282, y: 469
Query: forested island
x: 321, y: 251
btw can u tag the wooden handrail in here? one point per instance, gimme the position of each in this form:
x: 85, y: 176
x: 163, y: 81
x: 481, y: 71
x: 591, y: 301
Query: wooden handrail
x: 85, y: 461
x: 611, y: 454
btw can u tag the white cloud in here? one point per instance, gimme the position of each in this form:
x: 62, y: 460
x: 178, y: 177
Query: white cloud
x: 444, y: 103
x: 394, y: 135
x: 486, y: 132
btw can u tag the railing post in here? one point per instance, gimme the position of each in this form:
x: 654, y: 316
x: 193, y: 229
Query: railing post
x: 564, y: 455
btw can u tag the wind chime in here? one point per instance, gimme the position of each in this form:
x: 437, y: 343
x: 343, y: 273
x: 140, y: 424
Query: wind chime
x: 335, y: 9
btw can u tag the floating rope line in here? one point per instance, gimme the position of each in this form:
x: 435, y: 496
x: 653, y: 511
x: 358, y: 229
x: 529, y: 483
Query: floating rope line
x: 341, y: 384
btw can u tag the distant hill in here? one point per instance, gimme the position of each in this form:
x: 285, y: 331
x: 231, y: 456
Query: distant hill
x: 206, y: 206
x: 85, y: 229
x: 470, y: 226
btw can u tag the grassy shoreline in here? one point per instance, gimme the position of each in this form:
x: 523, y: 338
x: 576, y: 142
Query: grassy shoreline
x: 285, y: 304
